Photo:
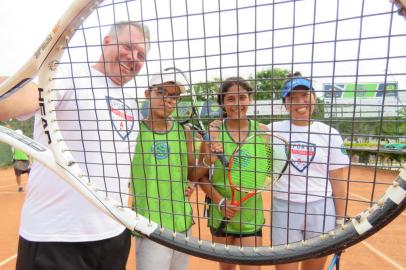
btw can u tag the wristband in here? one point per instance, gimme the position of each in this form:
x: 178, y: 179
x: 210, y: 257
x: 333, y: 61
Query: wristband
x: 222, y: 203
x: 205, y: 164
x: 206, y: 137
x: 339, y: 221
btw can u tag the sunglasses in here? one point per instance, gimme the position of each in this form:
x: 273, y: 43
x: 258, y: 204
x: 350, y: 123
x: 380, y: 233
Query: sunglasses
x: 161, y: 92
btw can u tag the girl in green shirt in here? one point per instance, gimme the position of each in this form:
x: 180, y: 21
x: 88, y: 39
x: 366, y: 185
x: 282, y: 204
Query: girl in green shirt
x: 245, y: 222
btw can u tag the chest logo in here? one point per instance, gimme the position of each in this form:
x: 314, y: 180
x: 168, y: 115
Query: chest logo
x: 242, y: 159
x: 121, y: 116
x: 160, y: 149
x: 302, y: 154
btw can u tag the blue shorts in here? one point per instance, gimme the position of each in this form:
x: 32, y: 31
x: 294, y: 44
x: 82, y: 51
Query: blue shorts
x: 319, y: 218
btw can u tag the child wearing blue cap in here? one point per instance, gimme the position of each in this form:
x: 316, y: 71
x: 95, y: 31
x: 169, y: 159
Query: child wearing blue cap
x: 313, y: 187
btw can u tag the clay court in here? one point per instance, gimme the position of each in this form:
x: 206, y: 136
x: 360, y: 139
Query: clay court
x: 384, y: 250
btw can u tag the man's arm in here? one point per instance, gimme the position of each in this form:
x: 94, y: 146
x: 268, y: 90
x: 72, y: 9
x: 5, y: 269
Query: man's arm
x: 22, y: 102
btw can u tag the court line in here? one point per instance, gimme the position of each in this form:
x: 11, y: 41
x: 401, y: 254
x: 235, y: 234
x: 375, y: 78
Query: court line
x: 383, y: 256
x: 4, y: 262
x: 6, y: 180
x: 9, y: 192
x: 365, y: 199
x: 367, y: 245
x: 11, y: 185
x: 23, y: 182
x: 7, y: 186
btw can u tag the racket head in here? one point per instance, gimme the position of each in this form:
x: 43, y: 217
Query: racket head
x: 188, y: 107
x: 51, y: 47
x: 184, y: 110
x: 389, y: 206
x: 71, y: 53
x: 258, y: 162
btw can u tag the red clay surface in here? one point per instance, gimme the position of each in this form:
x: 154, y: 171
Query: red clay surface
x: 385, y: 250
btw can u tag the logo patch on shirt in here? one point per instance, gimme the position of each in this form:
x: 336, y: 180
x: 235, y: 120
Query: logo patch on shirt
x: 160, y: 149
x: 242, y: 159
x: 302, y: 154
x: 121, y: 116
x: 343, y: 149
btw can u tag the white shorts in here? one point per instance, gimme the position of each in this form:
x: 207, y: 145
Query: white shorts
x: 319, y: 218
x: 150, y: 255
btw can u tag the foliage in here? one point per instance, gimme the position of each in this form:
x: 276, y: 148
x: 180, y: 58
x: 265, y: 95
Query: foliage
x: 318, y: 113
x: 390, y: 128
x: 268, y: 83
x: 5, y: 150
x: 207, y: 90
x: 364, y: 144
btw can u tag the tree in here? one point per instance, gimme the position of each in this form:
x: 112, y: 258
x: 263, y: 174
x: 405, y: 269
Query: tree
x: 207, y: 90
x: 319, y: 109
x: 268, y: 83
x: 5, y: 150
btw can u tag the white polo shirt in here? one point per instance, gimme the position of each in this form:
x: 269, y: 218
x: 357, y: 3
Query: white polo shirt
x: 315, y: 150
x: 101, y: 128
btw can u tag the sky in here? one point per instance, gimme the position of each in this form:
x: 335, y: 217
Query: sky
x: 23, y: 26
x: 25, y: 23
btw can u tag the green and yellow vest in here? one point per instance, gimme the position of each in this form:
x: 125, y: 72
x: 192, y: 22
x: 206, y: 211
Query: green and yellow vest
x: 251, y: 218
x: 160, y: 177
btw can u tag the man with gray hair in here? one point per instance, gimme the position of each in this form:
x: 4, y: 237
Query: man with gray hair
x: 124, y: 51
x: 59, y: 228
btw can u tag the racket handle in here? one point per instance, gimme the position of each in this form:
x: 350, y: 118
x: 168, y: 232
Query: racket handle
x: 221, y: 156
x: 223, y: 159
x: 221, y: 228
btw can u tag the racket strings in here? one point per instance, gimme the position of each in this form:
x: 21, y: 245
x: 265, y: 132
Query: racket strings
x: 207, y: 53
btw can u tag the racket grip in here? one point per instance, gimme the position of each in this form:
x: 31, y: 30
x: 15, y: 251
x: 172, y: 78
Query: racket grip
x: 221, y: 228
x: 220, y: 156
x: 223, y: 160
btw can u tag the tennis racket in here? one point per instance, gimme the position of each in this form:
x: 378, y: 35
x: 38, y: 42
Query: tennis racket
x: 335, y: 262
x: 200, y: 40
x: 254, y: 166
x: 188, y: 109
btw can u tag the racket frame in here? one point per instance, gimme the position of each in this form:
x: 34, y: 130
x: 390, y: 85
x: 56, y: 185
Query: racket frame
x: 55, y: 41
x: 270, y: 180
x: 388, y: 207
x: 189, y: 88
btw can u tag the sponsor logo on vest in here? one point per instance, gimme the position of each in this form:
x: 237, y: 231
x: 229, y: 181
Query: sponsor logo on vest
x: 242, y: 159
x: 160, y: 149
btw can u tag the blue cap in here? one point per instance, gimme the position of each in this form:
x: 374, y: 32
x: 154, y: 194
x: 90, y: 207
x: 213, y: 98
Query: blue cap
x: 293, y: 83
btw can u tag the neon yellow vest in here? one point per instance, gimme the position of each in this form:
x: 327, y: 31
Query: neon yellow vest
x: 251, y: 218
x: 160, y: 176
x: 19, y: 155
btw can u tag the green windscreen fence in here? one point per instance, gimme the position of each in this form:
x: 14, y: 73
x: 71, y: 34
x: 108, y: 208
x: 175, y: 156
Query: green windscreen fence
x: 26, y: 127
x: 5, y: 155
